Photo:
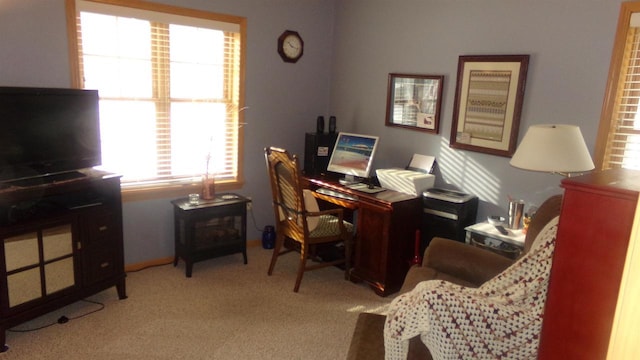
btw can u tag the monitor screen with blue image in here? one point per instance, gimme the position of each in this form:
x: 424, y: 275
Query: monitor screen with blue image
x: 353, y: 155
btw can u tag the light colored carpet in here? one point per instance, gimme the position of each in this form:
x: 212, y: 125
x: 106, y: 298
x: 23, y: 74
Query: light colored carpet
x: 227, y: 310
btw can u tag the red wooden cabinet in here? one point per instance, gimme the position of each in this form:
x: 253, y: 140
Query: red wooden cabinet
x: 593, y: 235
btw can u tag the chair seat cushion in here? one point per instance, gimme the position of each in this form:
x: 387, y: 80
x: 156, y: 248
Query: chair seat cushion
x: 328, y: 226
x: 418, y: 274
x: 368, y: 340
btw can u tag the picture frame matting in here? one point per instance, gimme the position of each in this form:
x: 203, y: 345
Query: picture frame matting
x: 488, y: 103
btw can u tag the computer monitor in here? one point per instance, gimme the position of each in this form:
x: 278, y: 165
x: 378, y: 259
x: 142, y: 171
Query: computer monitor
x: 353, y: 156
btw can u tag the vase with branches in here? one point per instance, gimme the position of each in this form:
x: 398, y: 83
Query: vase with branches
x: 208, y: 178
x: 208, y: 181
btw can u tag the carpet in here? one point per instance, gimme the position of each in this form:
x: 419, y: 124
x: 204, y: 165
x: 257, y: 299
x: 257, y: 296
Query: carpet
x: 227, y: 310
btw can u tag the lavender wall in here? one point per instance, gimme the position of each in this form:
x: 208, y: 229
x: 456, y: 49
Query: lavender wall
x: 350, y: 47
x: 569, y: 43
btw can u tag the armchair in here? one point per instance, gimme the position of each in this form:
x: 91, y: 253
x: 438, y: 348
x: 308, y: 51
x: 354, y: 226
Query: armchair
x: 466, y: 265
x: 461, y: 266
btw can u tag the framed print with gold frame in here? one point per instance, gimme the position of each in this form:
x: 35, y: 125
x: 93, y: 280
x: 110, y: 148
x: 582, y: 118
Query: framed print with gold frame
x: 414, y: 101
x: 488, y: 103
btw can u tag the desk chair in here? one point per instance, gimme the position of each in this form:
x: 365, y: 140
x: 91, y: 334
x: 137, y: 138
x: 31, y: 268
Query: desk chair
x: 298, y: 216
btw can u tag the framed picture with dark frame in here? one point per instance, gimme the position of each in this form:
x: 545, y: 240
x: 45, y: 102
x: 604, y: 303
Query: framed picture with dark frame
x: 488, y: 103
x: 414, y: 102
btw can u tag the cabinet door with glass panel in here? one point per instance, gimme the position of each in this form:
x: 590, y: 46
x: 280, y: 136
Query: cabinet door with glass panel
x: 38, y: 263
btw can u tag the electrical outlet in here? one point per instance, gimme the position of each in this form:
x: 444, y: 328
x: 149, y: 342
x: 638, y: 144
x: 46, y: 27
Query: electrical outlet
x: 249, y: 205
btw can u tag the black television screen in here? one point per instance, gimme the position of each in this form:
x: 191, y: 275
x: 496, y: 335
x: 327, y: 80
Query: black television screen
x: 47, y: 131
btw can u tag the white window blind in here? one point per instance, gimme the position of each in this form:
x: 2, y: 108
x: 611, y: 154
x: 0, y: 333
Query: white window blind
x: 169, y: 85
x: 622, y: 148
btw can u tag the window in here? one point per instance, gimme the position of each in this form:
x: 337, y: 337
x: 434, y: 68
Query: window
x: 618, y: 143
x: 171, y: 96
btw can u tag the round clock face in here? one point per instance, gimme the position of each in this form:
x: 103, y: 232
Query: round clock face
x: 290, y: 46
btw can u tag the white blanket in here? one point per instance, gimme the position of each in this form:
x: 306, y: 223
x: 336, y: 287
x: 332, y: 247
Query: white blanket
x: 501, y: 319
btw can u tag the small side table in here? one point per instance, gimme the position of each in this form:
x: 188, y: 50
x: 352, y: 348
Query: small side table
x: 210, y: 229
x: 486, y: 236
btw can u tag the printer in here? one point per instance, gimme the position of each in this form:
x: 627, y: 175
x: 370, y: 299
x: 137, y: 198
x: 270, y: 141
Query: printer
x: 406, y: 181
x: 413, y: 180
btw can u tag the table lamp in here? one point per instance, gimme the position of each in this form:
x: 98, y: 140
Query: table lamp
x: 558, y: 149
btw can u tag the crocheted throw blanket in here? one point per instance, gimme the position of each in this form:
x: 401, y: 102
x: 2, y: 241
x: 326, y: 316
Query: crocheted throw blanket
x: 501, y: 319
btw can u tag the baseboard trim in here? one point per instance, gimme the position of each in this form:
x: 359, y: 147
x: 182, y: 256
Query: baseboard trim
x: 145, y: 264
x: 168, y: 260
x: 254, y: 243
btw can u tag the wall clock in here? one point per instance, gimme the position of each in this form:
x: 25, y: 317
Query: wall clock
x: 290, y: 46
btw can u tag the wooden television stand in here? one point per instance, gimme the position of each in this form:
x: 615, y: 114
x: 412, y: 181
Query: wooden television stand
x: 61, y: 241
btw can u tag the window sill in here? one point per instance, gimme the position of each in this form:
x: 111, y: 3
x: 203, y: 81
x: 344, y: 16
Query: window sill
x: 131, y: 194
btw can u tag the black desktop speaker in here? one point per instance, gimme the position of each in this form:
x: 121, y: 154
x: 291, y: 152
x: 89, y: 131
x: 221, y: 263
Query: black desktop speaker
x: 332, y: 124
x: 317, y: 152
x: 320, y: 124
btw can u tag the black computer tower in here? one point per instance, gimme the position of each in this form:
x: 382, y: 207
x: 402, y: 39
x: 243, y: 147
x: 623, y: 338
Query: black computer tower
x: 317, y: 152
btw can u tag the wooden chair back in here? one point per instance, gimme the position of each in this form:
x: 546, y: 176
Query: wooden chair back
x: 286, y: 190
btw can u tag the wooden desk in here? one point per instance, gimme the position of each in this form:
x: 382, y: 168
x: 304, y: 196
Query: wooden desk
x: 385, y: 233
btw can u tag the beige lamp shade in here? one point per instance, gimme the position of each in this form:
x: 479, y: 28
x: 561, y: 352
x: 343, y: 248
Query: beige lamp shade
x: 553, y: 148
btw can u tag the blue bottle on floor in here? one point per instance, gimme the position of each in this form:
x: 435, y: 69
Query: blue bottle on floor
x: 268, y: 237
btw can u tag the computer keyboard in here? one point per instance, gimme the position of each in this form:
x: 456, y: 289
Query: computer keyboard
x: 329, y: 192
x: 365, y: 188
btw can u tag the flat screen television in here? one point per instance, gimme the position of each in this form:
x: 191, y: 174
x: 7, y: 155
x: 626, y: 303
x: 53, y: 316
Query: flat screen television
x: 46, y: 131
x: 353, y: 156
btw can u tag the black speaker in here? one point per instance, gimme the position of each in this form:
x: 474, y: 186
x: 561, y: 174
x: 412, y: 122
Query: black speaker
x: 320, y: 124
x: 332, y: 124
x: 317, y: 152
